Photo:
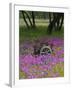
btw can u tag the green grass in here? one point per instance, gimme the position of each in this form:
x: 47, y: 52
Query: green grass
x: 59, y: 68
x: 34, y: 33
x: 22, y: 75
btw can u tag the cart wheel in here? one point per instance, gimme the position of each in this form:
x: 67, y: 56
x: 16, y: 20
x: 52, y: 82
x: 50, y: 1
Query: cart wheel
x: 45, y: 50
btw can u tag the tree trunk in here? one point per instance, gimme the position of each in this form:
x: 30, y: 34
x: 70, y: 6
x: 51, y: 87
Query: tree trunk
x: 25, y: 19
x: 62, y: 18
x: 33, y: 19
x: 28, y: 18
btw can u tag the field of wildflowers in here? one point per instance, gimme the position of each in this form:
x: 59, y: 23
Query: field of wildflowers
x: 47, y: 65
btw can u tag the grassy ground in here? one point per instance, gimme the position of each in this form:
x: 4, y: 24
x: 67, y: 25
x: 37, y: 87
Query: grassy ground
x: 37, y: 32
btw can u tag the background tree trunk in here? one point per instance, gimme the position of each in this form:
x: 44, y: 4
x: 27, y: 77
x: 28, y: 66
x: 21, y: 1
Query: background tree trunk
x: 28, y: 18
x: 33, y: 19
x: 25, y: 19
